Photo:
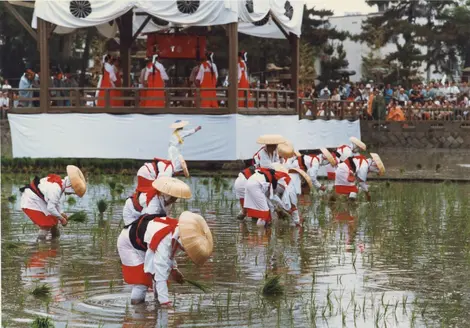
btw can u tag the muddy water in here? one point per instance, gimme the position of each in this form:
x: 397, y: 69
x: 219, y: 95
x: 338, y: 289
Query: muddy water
x: 400, y: 261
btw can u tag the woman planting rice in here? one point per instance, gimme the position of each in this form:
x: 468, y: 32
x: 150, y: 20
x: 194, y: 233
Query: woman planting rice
x: 267, y: 187
x: 239, y: 186
x: 151, y: 171
x: 40, y: 200
x: 137, y: 245
x: 344, y: 152
x: 268, y: 154
x: 356, y: 168
x: 176, y: 143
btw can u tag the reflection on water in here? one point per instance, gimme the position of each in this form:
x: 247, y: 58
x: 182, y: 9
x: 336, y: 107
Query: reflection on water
x: 400, y: 261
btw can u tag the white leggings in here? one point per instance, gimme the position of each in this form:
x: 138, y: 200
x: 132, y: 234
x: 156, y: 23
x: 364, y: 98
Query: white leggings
x: 138, y: 292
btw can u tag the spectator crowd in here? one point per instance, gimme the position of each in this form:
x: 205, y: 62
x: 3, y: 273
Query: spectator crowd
x: 449, y: 100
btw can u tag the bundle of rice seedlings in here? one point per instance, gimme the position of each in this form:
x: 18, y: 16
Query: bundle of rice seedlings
x: 71, y: 201
x: 272, y: 286
x: 43, y: 290
x: 112, y: 184
x: 102, y: 205
x: 198, y: 285
x: 41, y: 322
x: 12, y: 198
x: 9, y: 245
x: 79, y: 217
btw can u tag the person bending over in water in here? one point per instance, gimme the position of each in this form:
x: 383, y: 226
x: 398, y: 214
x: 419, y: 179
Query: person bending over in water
x: 40, y: 200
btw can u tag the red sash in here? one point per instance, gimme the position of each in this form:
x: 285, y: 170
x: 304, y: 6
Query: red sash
x: 171, y: 225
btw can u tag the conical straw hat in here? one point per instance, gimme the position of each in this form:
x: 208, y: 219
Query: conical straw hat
x: 279, y: 167
x: 172, y: 187
x: 358, y: 143
x: 271, y: 139
x: 196, y: 237
x: 179, y: 124
x: 378, y: 162
x: 328, y: 156
x: 184, y: 166
x: 285, y: 150
x: 303, y: 175
x: 77, y: 180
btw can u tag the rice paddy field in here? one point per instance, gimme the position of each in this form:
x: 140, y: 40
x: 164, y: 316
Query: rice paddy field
x: 400, y: 261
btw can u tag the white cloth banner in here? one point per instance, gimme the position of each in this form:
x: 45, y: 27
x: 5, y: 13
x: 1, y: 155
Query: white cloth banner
x: 137, y: 136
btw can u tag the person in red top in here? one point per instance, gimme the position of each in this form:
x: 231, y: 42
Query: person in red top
x: 243, y: 80
x: 207, y: 79
x: 107, y: 80
x: 154, y: 77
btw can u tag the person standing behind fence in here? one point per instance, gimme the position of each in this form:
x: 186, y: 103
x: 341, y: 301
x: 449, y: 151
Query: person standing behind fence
x: 155, y: 77
x: 107, y: 80
x: 207, y: 79
x: 26, y: 82
x: 115, y: 94
x: 243, y: 80
x: 6, y: 86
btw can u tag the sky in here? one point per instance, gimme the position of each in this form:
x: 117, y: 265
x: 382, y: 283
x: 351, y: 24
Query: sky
x: 340, y: 7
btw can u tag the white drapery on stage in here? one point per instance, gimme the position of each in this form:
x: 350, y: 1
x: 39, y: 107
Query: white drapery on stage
x: 137, y: 136
x: 255, y: 17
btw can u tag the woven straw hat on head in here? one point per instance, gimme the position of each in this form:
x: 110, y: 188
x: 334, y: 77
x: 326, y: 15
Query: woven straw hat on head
x: 179, y: 124
x: 285, y: 150
x: 172, y: 187
x: 279, y: 167
x: 379, y: 163
x: 77, y: 180
x: 303, y: 175
x: 328, y: 156
x: 184, y: 166
x: 196, y: 237
x: 358, y: 143
x: 271, y: 139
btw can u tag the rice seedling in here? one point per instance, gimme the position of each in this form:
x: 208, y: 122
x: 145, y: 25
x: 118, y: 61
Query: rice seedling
x: 42, y: 322
x: 272, y: 286
x: 12, y: 198
x: 119, y: 189
x: 79, y: 217
x: 198, y: 285
x: 112, y: 185
x: 41, y: 291
x: 102, y: 205
x: 71, y: 201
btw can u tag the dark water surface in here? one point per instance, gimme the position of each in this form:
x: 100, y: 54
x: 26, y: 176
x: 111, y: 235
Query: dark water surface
x: 401, y: 261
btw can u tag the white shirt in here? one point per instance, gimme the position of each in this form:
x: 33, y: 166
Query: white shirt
x: 242, y: 70
x: 160, y: 68
x: 6, y: 87
x: 263, y: 159
x: 202, y: 70
x: 4, y: 102
x: 110, y: 69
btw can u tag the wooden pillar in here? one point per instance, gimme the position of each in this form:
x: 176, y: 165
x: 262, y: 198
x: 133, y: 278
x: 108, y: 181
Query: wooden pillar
x: 125, y: 36
x: 45, y: 78
x: 295, y: 68
x: 232, y: 30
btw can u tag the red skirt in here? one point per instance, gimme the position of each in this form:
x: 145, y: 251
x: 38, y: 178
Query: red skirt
x: 40, y: 219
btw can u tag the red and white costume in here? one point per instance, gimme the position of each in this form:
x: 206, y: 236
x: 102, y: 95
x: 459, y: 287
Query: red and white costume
x: 176, y: 145
x: 263, y: 159
x: 150, y: 171
x: 263, y: 188
x: 117, y: 93
x: 207, y: 78
x: 41, y: 200
x: 147, y: 249
x: 308, y: 163
x: 107, y: 81
x: 240, y: 185
x: 349, y: 170
x: 330, y: 169
x: 155, y: 77
x: 243, y: 83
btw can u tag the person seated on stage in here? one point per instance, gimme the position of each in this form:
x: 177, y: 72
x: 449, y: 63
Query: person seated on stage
x: 267, y: 189
x: 268, y: 154
x: 311, y: 164
x: 40, y: 200
x: 356, y: 169
x: 148, y: 246
x: 177, y: 140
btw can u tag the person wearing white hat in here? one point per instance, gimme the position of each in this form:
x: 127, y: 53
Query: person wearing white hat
x: 177, y: 140
x: 132, y: 243
x: 151, y: 171
x: 266, y: 189
x: 356, y: 169
x: 311, y: 164
x: 40, y: 200
x: 268, y: 154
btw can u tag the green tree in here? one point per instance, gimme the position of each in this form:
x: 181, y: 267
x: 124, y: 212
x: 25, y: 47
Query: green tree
x: 307, y: 63
x: 332, y: 62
